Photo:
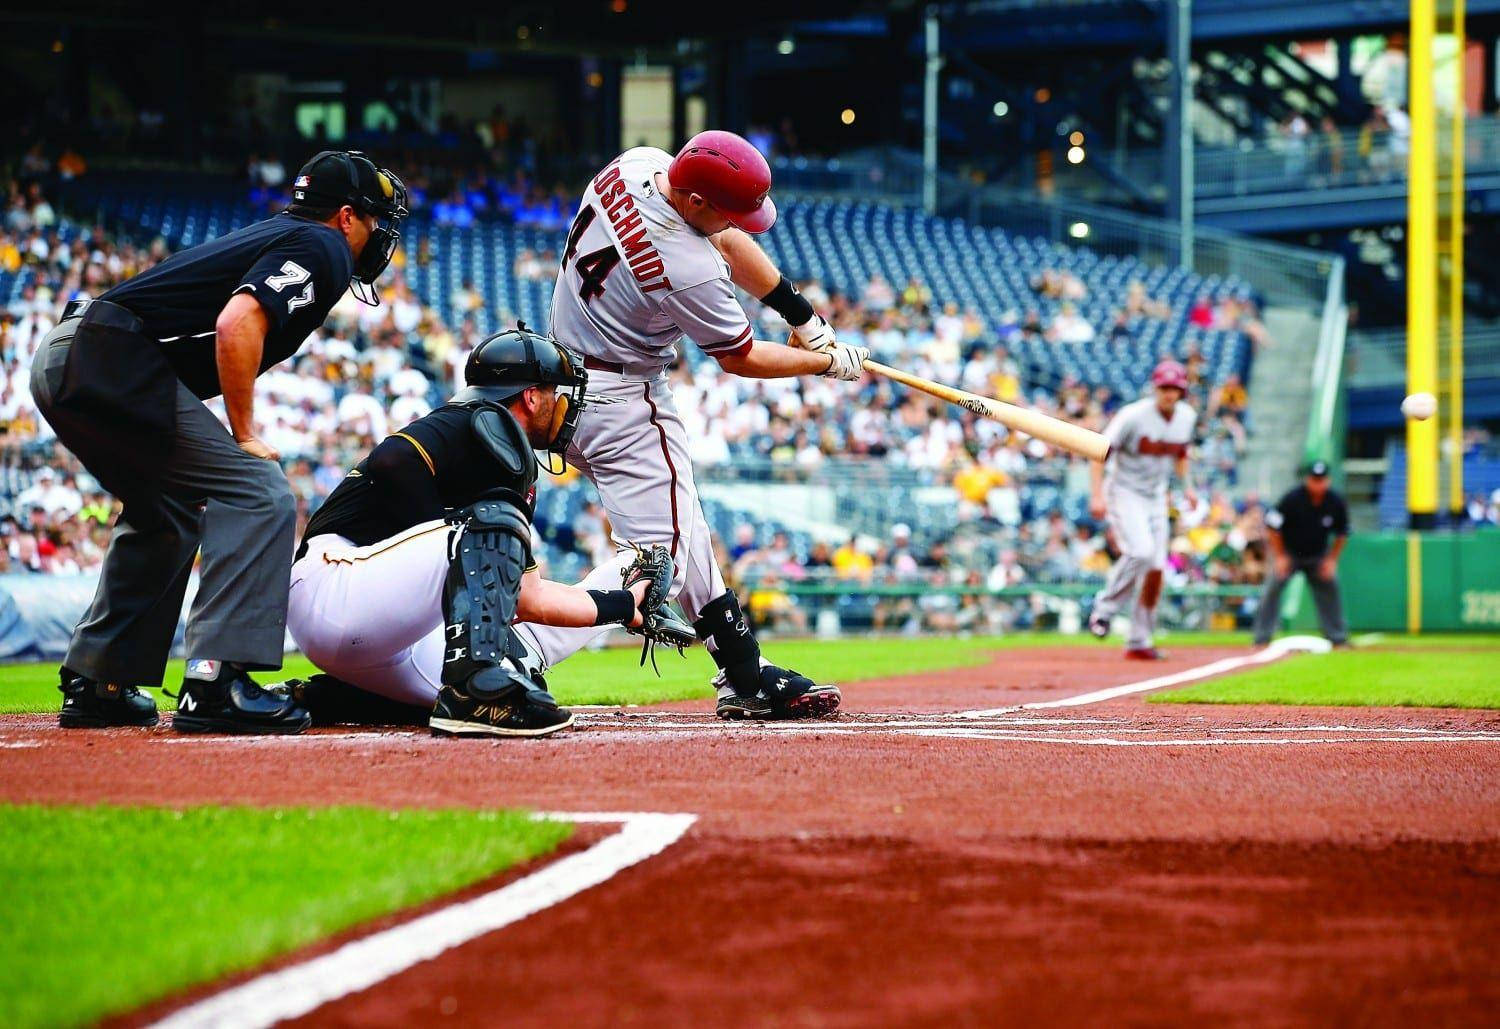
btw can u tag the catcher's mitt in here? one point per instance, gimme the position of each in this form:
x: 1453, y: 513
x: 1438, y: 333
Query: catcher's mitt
x: 659, y: 623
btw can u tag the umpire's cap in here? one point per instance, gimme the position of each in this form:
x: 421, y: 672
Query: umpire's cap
x: 508, y: 362
x: 334, y: 178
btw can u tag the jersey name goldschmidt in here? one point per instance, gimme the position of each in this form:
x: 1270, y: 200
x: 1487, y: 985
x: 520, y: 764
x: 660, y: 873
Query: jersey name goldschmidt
x: 635, y: 277
x: 1146, y: 446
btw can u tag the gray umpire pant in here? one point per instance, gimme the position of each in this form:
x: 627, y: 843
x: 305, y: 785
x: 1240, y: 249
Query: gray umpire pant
x: 213, y: 496
x: 1325, y: 594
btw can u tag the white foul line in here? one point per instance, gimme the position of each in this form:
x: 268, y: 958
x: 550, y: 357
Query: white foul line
x: 298, y: 989
x: 1278, y: 649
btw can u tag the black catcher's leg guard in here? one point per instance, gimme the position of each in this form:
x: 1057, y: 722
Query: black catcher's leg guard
x: 486, y: 561
x: 721, y: 625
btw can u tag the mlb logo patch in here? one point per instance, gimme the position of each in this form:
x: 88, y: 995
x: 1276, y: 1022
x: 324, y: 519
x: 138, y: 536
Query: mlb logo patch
x: 203, y: 668
x: 303, y: 181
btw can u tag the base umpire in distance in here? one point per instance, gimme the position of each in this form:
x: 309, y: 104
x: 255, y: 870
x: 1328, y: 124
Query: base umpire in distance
x: 1306, y: 531
x: 122, y: 380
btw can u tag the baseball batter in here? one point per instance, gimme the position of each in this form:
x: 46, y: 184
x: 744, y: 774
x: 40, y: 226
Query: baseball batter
x: 655, y: 250
x: 1147, y: 439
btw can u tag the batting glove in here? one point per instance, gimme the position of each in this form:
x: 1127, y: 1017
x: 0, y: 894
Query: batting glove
x: 816, y: 334
x: 848, y: 361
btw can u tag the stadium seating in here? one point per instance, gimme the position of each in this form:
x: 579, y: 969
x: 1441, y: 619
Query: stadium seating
x: 841, y: 243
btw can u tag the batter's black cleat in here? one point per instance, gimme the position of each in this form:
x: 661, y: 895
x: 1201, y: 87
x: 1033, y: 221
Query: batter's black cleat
x: 332, y: 701
x: 221, y: 697
x: 517, y: 712
x: 88, y: 704
x: 783, y: 694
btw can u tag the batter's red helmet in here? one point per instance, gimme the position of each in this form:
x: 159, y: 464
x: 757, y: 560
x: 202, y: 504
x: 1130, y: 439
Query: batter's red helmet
x: 730, y: 174
x: 1170, y: 373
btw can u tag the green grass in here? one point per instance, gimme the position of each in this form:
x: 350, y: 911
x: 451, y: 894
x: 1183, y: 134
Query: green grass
x: 108, y: 908
x: 1401, y: 677
x: 613, y: 676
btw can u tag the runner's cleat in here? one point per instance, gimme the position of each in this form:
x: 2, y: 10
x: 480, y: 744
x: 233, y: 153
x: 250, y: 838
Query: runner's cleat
x: 1145, y: 654
x: 102, y: 705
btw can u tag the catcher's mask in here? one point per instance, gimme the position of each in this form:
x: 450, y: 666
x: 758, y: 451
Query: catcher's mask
x: 334, y: 178
x: 509, y: 362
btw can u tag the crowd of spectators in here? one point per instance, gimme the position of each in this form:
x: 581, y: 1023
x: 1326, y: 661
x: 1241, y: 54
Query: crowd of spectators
x: 370, y: 370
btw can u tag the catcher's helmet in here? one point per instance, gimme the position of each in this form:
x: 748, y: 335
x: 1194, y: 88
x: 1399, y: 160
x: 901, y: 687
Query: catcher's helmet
x: 508, y: 362
x: 728, y: 172
x: 1170, y: 373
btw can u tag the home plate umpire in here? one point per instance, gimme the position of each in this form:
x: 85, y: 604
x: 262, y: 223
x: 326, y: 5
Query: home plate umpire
x: 122, y: 380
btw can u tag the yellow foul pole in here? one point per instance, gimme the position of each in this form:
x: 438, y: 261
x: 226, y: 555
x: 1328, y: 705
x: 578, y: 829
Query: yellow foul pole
x: 1456, y: 277
x: 1421, y: 268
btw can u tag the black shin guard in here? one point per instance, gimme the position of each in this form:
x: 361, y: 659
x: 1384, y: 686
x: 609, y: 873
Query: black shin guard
x: 480, y: 598
x: 722, y: 626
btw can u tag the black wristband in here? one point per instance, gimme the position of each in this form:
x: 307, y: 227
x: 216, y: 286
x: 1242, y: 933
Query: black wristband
x: 787, y: 302
x: 614, y: 606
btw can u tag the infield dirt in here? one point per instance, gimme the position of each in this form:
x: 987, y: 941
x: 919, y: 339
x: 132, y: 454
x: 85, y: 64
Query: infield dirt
x: 1119, y: 861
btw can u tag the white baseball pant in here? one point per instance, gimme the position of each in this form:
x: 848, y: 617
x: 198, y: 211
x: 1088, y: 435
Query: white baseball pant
x: 631, y: 444
x: 1141, y: 532
x: 373, y: 616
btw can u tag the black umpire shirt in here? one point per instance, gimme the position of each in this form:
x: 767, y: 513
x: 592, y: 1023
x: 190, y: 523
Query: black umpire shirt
x: 296, y: 268
x: 1306, y: 529
x: 430, y: 468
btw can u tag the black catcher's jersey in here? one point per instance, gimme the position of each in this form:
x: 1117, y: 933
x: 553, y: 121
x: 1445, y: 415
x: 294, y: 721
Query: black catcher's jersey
x: 296, y: 268
x: 428, y: 470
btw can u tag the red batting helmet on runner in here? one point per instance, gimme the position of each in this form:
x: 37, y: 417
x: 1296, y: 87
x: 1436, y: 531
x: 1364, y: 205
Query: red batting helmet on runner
x: 730, y: 174
x: 1170, y: 373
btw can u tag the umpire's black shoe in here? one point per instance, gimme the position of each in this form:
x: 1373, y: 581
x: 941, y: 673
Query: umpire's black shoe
x: 517, y: 712
x: 783, y: 693
x: 88, y: 704
x: 221, y: 697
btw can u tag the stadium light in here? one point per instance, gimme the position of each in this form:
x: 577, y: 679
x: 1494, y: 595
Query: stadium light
x: 1076, y: 138
x: 1075, y: 155
x: 1001, y: 109
x: 847, y: 116
x: 1078, y: 230
x: 786, y: 46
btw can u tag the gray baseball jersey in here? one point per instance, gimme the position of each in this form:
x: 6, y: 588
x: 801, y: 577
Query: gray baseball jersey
x: 1146, y: 446
x: 635, y: 277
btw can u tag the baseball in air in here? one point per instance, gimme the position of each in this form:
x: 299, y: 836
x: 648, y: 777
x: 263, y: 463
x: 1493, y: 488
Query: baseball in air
x: 1419, y: 406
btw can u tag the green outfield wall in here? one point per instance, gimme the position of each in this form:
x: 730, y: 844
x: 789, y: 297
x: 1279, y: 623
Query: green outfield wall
x: 1415, y: 582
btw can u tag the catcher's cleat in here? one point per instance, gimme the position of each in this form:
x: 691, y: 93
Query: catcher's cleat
x: 88, y: 704
x: 1098, y: 626
x: 783, y: 694
x: 221, y: 697
x: 1145, y: 654
x: 518, y: 712
x: 332, y: 701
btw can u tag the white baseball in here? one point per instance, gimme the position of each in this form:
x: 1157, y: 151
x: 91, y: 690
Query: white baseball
x: 1419, y: 406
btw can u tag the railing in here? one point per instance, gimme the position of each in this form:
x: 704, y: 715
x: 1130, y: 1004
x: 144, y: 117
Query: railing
x: 833, y: 608
x: 1317, y: 161
x: 1378, y: 357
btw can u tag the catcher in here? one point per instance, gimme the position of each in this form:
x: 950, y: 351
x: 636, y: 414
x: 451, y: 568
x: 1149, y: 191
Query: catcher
x: 410, y: 574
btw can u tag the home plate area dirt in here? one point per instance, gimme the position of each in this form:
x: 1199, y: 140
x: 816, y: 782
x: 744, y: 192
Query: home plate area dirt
x: 939, y: 853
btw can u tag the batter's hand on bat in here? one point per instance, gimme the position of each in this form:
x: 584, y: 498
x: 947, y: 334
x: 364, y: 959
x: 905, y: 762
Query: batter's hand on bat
x: 846, y: 361
x: 816, y: 334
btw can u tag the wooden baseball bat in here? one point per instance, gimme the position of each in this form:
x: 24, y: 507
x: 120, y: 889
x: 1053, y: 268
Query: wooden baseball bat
x: 1059, y: 433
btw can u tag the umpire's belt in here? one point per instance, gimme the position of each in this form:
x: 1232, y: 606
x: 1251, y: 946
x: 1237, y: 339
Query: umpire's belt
x: 104, y: 314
